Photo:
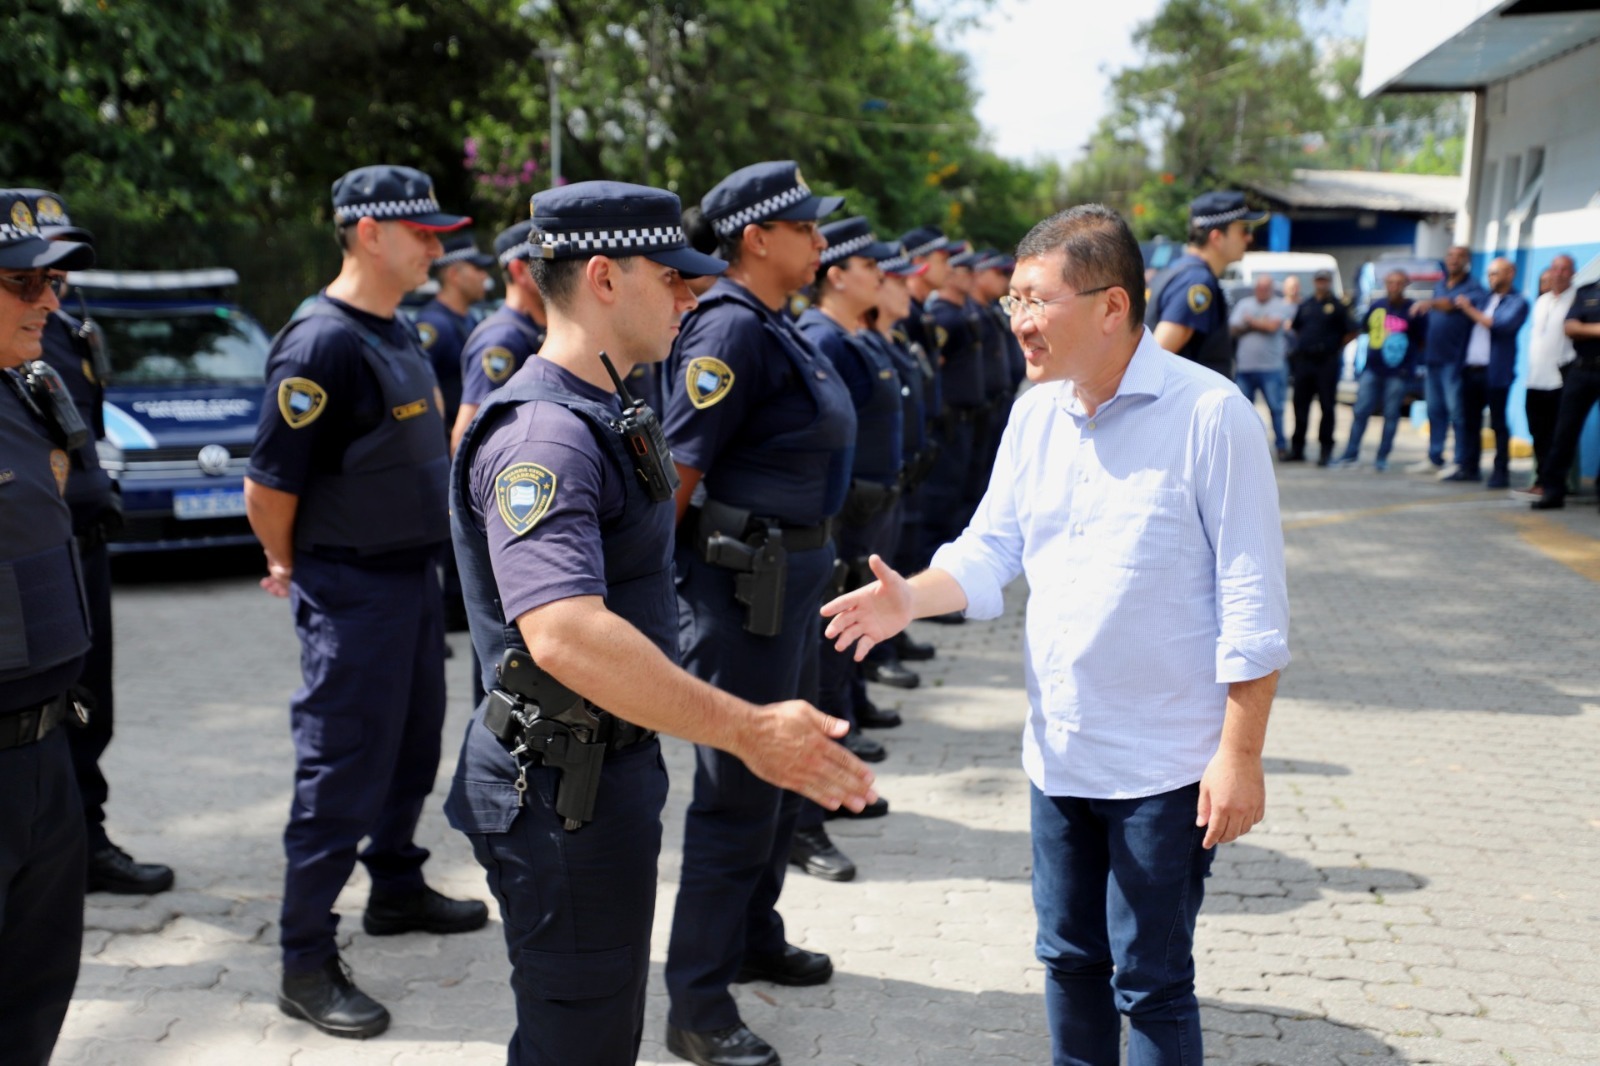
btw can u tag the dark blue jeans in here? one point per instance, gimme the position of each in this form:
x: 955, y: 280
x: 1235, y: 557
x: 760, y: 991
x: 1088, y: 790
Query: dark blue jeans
x: 1375, y: 391
x: 1444, y: 409
x: 1117, y: 886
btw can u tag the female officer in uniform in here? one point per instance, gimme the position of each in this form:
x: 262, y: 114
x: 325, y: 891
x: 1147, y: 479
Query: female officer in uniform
x: 846, y: 289
x: 761, y: 429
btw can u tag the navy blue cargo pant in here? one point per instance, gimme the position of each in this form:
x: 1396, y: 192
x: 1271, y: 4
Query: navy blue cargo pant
x: 366, y: 736
x: 90, y: 742
x: 738, y: 828
x: 41, y: 895
x: 578, y: 908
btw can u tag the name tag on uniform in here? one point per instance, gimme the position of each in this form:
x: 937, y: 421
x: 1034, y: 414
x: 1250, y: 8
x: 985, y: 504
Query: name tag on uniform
x: 410, y: 410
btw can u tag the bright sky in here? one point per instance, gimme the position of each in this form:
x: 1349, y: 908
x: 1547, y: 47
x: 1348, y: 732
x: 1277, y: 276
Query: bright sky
x: 1043, y: 67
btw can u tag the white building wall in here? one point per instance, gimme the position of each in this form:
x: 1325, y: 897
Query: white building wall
x: 1541, y: 127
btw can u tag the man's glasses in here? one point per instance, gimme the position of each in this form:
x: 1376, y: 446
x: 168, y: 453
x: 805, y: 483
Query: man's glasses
x: 29, y: 286
x: 1035, y: 306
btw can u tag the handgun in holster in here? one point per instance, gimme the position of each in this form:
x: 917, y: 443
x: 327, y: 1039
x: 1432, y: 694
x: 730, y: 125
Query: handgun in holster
x: 761, y: 564
x: 537, y: 717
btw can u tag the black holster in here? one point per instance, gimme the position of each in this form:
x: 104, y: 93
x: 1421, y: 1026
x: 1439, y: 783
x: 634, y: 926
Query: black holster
x: 866, y: 500
x: 541, y: 720
x: 758, y: 558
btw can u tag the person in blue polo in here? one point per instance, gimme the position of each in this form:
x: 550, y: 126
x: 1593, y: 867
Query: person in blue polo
x: 501, y: 343
x: 44, y: 637
x: 346, y: 490
x: 71, y: 347
x: 564, y: 532
x: 445, y: 322
x: 1448, y: 332
x: 762, y: 430
x: 1187, y: 310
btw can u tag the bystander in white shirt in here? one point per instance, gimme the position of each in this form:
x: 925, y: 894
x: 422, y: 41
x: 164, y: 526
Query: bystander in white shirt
x: 1549, y: 348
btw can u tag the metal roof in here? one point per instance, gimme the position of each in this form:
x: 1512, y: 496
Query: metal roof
x: 1502, y: 39
x: 1365, y: 190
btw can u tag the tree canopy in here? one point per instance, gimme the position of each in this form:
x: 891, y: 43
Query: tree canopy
x: 1231, y: 91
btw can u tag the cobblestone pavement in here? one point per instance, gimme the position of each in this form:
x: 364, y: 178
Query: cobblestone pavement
x: 1421, y: 892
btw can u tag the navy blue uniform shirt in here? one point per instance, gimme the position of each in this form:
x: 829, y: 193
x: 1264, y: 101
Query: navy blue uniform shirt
x: 1320, y: 325
x: 1188, y: 299
x: 560, y: 556
x: 444, y: 334
x: 1586, y: 308
x: 330, y: 357
x: 496, y: 350
x: 1449, y: 331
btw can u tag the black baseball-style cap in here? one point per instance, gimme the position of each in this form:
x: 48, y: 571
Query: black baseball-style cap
x: 389, y: 193
x: 764, y: 192
x: 23, y: 246
x: 616, y: 219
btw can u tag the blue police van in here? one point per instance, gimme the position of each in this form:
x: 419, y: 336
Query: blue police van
x: 184, y: 390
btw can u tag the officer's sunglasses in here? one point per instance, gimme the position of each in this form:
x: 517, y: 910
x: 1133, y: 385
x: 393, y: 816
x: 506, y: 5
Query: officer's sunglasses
x: 29, y: 286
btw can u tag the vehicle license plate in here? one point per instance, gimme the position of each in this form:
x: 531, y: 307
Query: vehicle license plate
x: 207, y: 503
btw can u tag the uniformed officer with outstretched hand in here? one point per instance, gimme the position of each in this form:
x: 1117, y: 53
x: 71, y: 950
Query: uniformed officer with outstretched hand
x: 562, y: 516
x: 44, y: 635
x: 346, y: 491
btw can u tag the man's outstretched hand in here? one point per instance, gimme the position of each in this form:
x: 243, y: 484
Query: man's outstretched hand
x: 870, y: 615
x: 792, y: 745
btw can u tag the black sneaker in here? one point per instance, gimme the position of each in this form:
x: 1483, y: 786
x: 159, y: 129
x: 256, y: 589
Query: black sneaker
x: 793, y: 966
x: 422, y: 912
x: 871, y: 716
x: 890, y: 674
x: 863, y: 747
x: 813, y: 852
x: 876, y: 809
x: 734, y: 1046
x: 912, y: 651
x: 329, y: 1000
x: 113, y: 870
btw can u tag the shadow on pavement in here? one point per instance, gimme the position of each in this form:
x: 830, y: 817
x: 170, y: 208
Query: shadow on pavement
x: 1249, y: 879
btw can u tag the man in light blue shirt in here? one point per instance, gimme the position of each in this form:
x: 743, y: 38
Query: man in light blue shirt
x: 1135, y: 492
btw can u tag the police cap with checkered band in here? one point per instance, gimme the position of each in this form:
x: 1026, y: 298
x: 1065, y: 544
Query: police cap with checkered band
x: 24, y: 247
x: 852, y: 237
x: 618, y: 220
x: 388, y: 193
x: 764, y: 192
x: 50, y: 212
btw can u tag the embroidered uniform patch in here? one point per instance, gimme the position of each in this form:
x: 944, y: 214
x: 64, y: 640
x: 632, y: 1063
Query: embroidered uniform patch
x: 60, y: 466
x: 1199, y: 298
x: 498, y: 363
x: 708, y: 380
x: 523, y: 493
x: 427, y: 333
x: 300, y: 401
x: 409, y: 410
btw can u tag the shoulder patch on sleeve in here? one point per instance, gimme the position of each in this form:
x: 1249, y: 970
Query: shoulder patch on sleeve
x: 300, y: 401
x: 523, y: 493
x: 708, y: 380
x: 427, y: 333
x: 1199, y: 298
x: 498, y: 363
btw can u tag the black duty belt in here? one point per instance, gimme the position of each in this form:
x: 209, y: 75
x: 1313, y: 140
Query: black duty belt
x: 626, y: 734
x: 1587, y: 363
x: 33, y: 723
x: 795, y: 538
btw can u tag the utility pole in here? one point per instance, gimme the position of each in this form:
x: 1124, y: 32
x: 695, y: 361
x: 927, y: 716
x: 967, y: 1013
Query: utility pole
x: 552, y: 66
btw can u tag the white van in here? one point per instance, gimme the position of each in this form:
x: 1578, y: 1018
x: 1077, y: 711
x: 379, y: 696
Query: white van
x: 1239, y: 278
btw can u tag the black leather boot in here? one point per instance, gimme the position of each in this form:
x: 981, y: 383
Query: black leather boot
x: 329, y: 1000
x: 422, y: 912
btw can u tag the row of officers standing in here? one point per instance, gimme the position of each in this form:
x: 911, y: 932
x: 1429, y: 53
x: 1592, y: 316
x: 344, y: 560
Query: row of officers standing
x: 623, y: 573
